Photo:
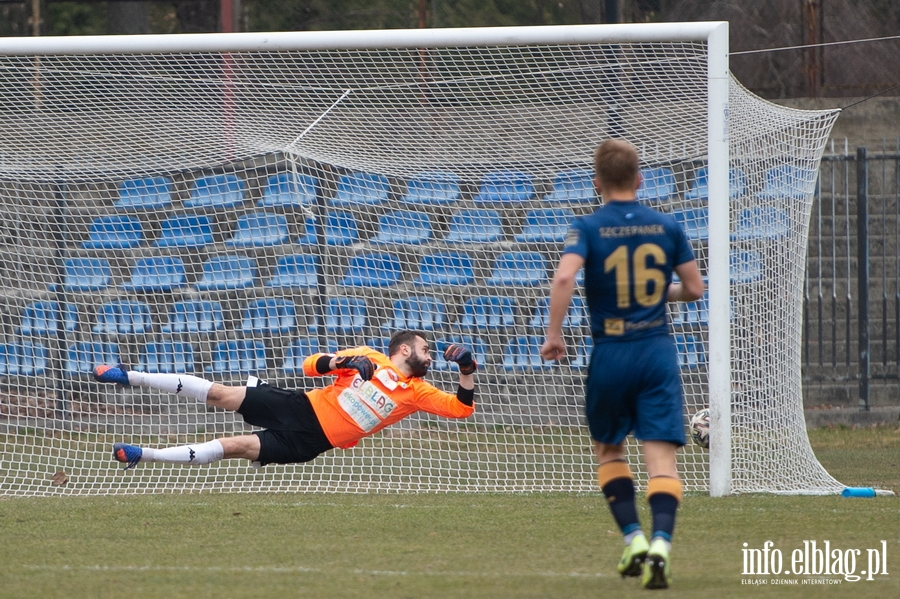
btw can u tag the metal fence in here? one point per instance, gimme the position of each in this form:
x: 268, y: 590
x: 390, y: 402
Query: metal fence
x: 851, y: 346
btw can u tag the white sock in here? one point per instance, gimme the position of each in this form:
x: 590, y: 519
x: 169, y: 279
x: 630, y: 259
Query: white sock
x: 179, y: 384
x: 195, y: 455
x: 630, y: 536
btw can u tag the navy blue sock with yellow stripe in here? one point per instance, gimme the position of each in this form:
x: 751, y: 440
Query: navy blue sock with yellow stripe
x: 664, y: 495
x: 617, y: 484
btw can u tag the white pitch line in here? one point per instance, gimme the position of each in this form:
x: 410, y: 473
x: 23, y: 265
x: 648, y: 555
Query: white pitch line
x: 305, y: 570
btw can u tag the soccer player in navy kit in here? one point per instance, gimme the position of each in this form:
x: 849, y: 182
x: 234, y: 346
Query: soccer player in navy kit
x: 629, y: 252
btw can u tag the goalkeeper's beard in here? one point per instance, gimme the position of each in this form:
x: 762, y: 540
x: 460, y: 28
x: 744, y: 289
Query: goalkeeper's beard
x: 417, y: 366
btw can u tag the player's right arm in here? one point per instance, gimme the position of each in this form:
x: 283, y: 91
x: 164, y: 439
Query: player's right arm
x: 348, y: 359
x: 561, y: 289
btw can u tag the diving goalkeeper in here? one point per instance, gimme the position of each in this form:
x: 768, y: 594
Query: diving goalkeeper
x: 371, y: 391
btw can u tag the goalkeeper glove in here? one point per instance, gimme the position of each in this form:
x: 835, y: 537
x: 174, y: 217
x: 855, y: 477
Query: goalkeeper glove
x: 361, y: 364
x: 462, y: 355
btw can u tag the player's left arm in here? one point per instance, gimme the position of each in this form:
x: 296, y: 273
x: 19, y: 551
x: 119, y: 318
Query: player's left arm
x: 434, y: 401
x: 464, y: 359
x: 691, y: 287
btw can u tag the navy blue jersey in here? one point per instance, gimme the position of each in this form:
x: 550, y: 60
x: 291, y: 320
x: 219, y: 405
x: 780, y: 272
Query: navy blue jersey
x: 630, y: 252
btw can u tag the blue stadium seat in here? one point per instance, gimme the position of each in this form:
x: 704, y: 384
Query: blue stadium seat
x: 296, y: 353
x: 576, y: 316
x: 23, y: 358
x: 699, y: 188
x: 524, y: 353
x: 476, y: 344
x: 787, y: 182
x: 83, y: 275
x: 227, y: 273
x: 116, y: 232
x: 340, y: 230
x: 372, y: 270
x: 546, y: 225
x: 505, y: 187
x: 475, y: 226
x: 445, y: 268
x: 687, y: 313
x: 691, y: 353
x: 379, y: 344
x: 42, y: 318
x: 488, y: 313
x: 519, y: 268
x: 288, y: 189
x: 361, y: 189
x: 241, y: 357
x: 217, y: 191
x: 658, y: 184
x: 417, y: 313
x: 295, y: 271
x: 259, y: 229
x: 403, y: 227
x: 574, y: 186
x: 151, y: 193
x: 167, y: 355
x: 185, y: 231
x: 124, y: 317
x: 737, y: 185
x: 432, y: 189
x: 82, y: 356
x: 269, y: 316
x: 156, y: 274
x: 762, y: 222
x: 746, y: 266
x: 195, y: 316
x: 345, y: 315
x: 694, y: 221
x: 582, y: 353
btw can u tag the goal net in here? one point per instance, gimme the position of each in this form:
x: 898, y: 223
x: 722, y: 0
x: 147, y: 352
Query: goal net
x: 226, y: 205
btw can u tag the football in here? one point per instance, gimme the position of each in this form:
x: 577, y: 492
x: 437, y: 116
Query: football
x: 700, y: 428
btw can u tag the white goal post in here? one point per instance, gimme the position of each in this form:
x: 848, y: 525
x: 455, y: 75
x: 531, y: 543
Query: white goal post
x: 224, y: 204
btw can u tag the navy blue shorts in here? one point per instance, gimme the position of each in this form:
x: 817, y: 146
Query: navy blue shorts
x: 635, y: 386
x: 293, y: 433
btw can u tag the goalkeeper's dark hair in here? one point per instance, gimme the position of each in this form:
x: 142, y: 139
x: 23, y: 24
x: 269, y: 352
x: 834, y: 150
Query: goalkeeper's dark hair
x: 405, y: 337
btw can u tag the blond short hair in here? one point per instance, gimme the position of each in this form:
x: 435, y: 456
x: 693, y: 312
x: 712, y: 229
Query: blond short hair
x: 616, y: 164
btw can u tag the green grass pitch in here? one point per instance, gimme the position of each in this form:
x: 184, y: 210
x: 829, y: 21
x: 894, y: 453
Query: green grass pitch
x: 439, y: 545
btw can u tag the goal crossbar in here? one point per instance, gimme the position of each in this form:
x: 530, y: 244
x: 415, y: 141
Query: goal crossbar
x: 362, y: 40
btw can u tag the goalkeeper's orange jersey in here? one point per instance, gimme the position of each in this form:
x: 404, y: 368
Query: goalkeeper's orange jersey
x: 350, y: 408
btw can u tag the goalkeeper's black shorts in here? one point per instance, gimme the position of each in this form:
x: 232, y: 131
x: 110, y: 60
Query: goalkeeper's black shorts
x: 292, y: 431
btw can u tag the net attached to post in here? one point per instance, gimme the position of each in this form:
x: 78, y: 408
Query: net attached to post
x: 229, y: 213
